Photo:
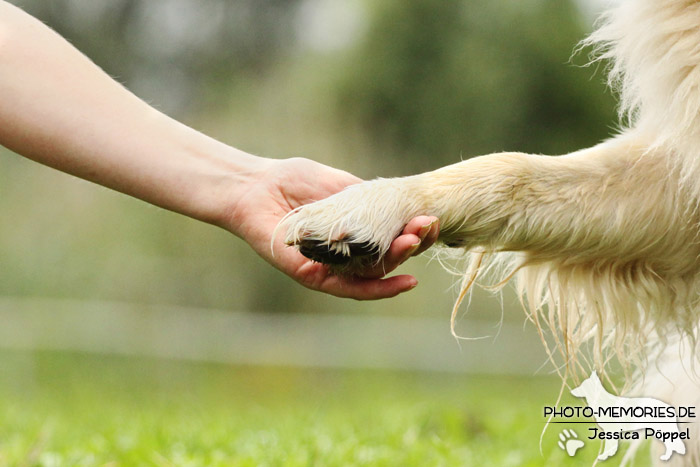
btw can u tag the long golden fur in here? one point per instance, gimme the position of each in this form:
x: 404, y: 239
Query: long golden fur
x: 604, y: 243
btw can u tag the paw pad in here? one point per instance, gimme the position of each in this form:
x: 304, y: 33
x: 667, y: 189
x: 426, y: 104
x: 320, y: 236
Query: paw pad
x: 335, y: 253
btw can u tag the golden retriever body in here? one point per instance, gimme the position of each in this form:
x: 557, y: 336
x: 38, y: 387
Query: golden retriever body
x: 604, y: 242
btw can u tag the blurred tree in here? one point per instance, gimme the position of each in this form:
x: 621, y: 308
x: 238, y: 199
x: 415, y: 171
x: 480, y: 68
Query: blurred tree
x: 437, y: 80
x: 171, y: 52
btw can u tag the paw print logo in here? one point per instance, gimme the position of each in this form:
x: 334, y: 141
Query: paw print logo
x: 569, y: 442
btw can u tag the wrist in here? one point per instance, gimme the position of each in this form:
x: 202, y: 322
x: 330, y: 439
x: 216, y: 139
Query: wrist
x: 197, y: 175
x: 231, y: 177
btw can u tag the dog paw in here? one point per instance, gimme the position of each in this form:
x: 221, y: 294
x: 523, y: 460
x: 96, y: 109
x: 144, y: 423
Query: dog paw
x: 355, y: 227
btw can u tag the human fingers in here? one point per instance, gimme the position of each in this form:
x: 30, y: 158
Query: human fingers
x: 427, y: 228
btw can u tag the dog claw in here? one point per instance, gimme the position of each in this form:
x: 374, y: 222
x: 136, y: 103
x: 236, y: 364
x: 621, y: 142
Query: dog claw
x: 362, y: 249
x: 321, y: 252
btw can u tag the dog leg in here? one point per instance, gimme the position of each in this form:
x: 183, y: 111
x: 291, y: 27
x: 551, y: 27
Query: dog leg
x: 614, y: 200
x: 608, y: 235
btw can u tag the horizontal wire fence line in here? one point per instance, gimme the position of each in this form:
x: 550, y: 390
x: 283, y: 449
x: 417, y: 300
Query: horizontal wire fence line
x: 295, y: 339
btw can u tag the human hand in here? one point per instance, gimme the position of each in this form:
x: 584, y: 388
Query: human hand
x: 80, y: 130
x: 286, y: 184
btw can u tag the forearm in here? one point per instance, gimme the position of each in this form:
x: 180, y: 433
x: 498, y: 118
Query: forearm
x: 60, y: 109
x: 593, y: 203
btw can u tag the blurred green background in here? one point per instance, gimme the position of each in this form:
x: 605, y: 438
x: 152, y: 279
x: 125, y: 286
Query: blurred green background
x: 378, y: 88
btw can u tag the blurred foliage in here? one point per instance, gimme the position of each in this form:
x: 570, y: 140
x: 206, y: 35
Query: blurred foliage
x: 434, y: 80
x: 428, y: 82
x: 184, y: 45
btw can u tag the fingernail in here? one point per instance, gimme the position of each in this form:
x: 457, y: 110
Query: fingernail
x: 413, y: 284
x: 413, y: 249
x: 423, y: 232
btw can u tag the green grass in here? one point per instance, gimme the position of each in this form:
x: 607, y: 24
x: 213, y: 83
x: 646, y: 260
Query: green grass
x: 78, y: 410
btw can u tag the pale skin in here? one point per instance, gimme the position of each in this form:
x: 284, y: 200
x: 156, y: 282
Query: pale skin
x: 60, y: 109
